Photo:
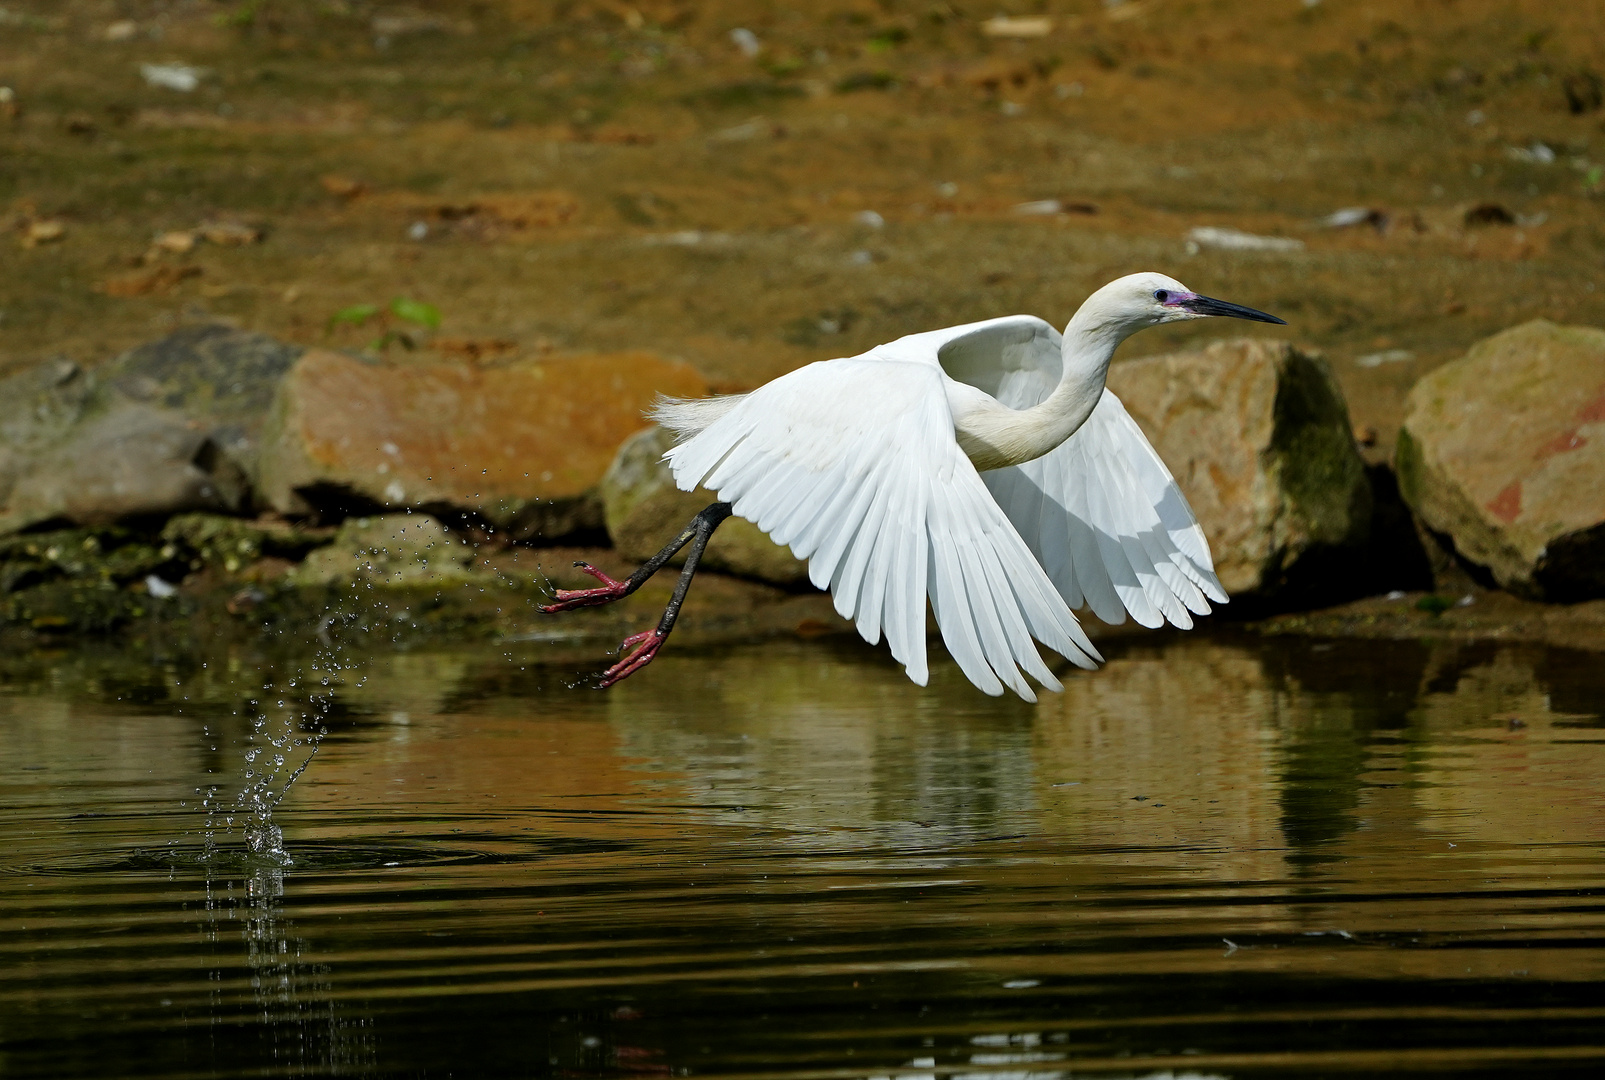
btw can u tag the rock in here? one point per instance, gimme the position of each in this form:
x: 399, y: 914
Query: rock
x: 87, y: 580
x: 167, y: 427
x: 224, y: 378
x: 522, y: 446
x: 1503, y: 451
x: 128, y: 460
x: 394, y: 549
x: 1257, y: 435
x: 235, y: 544
x: 644, y: 510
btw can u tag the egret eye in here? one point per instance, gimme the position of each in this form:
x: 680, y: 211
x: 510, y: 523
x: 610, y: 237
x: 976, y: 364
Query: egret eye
x: 1161, y: 295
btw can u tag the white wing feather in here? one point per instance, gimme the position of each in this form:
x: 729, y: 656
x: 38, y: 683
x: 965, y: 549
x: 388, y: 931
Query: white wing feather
x: 854, y: 464
x: 1106, y: 500
x: 1101, y: 512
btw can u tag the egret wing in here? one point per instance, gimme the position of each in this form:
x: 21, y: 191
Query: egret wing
x: 1017, y: 358
x: 854, y: 465
x: 1101, y: 512
x: 1111, y: 528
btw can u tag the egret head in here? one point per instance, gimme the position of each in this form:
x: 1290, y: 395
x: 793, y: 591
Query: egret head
x: 1140, y: 300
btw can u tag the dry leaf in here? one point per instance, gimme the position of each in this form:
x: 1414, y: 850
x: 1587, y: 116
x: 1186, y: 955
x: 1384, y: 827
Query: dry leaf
x: 342, y: 187
x: 1018, y: 26
x: 148, y: 282
x: 230, y: 233
x: 179, y: 241
x: 43, y: 232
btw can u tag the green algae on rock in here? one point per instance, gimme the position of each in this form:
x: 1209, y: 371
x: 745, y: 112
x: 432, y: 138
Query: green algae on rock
x: 236, y: 544
x: 87, y: 580
x: 396, y: 549
x: 1503, y: 451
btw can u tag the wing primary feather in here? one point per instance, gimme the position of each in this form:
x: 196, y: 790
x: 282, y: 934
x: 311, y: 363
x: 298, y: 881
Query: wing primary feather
x: 1049, y: 619
x: 1091, y: 567
x: 910, y: 585
x: 953, y: 615
x: 1130, y: 514
x: 1015, y: 624
x: 832, y: 532
x: 1165, y: 556
x: 849, y: 581
x: 1121, y: 573
x: 982, y: 608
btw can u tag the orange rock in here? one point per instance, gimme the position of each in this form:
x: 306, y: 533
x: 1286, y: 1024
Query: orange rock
x: 1504, y: 451
x: 501, y: 442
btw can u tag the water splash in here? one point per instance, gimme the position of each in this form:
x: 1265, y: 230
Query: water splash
x: 284, y: 738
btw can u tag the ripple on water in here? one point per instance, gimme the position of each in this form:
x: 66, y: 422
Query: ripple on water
x: 1209, y: 859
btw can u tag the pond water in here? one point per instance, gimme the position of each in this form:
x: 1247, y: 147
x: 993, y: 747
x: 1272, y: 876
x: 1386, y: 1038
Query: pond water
x: 1216, y: 857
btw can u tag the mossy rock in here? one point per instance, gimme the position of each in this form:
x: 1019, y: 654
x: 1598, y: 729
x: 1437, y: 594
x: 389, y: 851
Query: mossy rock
x: 233, y: 544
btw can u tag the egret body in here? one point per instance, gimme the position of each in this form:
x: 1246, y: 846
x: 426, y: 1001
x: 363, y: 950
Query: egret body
x: 985, y: 466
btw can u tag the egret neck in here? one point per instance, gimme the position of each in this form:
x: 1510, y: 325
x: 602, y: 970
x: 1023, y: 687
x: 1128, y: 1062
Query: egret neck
x: 994, y: 436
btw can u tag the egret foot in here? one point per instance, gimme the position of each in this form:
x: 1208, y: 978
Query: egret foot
x: 638, y: 650
x: 569, y: 599
x: 646, y: 645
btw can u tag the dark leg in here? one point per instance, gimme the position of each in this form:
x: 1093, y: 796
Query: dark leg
x: 639, y: 649
x: 703, y: 524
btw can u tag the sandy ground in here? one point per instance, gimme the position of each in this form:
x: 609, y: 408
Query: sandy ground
x: 576, y: 176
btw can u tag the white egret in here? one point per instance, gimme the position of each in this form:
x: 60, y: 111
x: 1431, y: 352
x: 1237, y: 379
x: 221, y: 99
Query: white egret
x: 986, y: 465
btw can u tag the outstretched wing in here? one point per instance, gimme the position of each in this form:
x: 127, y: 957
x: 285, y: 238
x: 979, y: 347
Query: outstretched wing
x: 1109, y: 525
x: 1101, y: 512
x: 853, y: 464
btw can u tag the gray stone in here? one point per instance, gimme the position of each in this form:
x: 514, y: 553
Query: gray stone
x: 221, y: 377
x: 392, y: 549
x: 1257, y: 435
x: 169, y: 426
x: 123, y: 461
x: 37, y: 408
x: 644, y: 510
x: 1503, y: 451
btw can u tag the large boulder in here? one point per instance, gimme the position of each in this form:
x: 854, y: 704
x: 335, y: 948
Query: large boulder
x: 522, y: 446
x: 644, y: 510
x: 167, y: 427
x: 1257, y: 435
x: 1503, y: 451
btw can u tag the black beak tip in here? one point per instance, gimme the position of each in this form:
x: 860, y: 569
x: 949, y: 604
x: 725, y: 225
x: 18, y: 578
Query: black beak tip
x: 1208, y: 305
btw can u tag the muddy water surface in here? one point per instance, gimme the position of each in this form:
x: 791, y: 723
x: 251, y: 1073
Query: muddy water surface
x: 1216, y: 857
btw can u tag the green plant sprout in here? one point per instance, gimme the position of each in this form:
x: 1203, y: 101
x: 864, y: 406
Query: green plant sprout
x: 404, y: 308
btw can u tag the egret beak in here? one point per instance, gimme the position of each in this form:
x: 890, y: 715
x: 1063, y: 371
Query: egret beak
x: 1204, y: 305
